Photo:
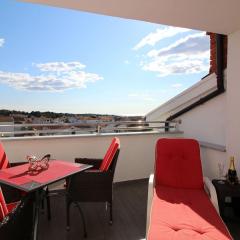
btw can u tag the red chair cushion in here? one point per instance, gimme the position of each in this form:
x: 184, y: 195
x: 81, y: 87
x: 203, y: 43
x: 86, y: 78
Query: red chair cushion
x: 184, y: 214
x: 4, y: 163
x: 2, y: 215
x: 11, y: 206
x: 110, y: 148
x: 3, y: 203
x: 178, y: 163
x: 107, y: 160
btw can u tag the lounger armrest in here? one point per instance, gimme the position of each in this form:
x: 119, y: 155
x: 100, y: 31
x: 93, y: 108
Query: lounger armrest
x: 211, y: 191
x: 149, y: 201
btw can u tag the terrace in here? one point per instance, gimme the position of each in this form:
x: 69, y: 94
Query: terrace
x: 214, y: 123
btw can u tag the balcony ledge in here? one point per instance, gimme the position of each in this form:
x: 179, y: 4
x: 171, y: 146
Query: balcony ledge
x: 88, y: 135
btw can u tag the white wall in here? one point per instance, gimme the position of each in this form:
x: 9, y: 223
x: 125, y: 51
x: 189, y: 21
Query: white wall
x: 210, y: 160
x: 136, y: 159
x: 206, y: 122
x: 233, y: 98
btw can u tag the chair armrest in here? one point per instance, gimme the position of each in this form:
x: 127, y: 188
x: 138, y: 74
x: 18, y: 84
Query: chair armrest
x: 91, y: 161
x: 211, y: 191
x: 15, y: 164
x: 149, y: 200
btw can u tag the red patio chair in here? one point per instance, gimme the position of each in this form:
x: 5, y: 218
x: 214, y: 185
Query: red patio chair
x: 10, y: 193
x: 178, y: 206
x: 96, y: 184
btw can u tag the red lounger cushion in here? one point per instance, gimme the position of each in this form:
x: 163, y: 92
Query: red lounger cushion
x: 178, y: 163
x: 184, y: 214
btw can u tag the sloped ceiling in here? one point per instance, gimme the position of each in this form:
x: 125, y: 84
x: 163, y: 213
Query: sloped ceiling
x: 220, y: 16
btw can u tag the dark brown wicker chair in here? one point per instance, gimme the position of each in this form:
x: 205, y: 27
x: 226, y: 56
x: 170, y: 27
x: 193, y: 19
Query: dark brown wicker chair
x: 18, y: 224
x: 96, y: 184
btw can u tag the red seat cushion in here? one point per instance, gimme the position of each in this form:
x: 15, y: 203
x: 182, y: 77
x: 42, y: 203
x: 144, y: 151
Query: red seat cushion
x: 5, y: 209
x: 107, y: 160
x: 11, y: 206
x: 184, y: 214
x: 4, y: 163
x: 178, y: 163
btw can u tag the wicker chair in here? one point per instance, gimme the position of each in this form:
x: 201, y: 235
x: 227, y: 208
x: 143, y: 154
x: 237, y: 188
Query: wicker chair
x: 96, y: 184
x: 18, y: 223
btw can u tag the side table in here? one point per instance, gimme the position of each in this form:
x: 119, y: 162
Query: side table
x: 225, y: 190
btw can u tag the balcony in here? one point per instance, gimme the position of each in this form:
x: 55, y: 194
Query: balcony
x: 215, y: 124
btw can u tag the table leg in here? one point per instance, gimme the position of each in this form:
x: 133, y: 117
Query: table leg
x: 36, y: 213
x: 68, y: 203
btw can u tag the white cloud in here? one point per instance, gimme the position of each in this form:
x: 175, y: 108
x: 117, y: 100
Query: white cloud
x: 127, y: 62
x: 141, y: 96
x: 60, y: 66
x: 187, y: 55
x: 2, y: 41
x: 191, y: 44
x: 53, y: 76
x: 176, y: 85
x: 160, y: 34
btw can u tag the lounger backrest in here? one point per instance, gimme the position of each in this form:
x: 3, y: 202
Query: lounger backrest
x: 178, y: 163
x: 109, y: 156
x: 4, y: 163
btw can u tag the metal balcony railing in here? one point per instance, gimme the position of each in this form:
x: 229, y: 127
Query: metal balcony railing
x: 43, y: 129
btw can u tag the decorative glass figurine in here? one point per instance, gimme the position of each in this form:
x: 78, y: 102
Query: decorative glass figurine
x: 36, y: 164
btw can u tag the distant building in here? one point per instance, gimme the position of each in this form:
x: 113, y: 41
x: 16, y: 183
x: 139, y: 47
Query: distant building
x: 6, y: 126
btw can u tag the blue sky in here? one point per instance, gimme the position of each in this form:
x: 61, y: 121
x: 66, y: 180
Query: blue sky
x: 62, y: 60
